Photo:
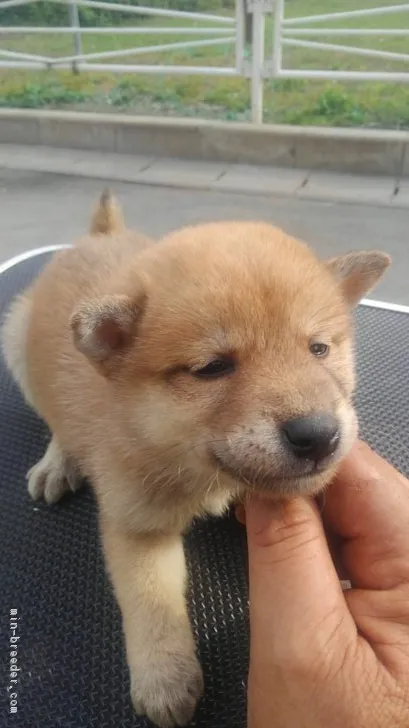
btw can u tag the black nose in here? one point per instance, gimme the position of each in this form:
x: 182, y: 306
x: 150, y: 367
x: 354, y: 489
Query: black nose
x: 313, y: 437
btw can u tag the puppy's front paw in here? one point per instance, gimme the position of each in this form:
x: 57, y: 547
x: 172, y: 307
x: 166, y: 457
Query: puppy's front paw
x: 53, y: 476
x: 167, y: 688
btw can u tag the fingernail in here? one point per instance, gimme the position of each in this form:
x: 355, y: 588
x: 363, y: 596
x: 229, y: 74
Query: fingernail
x: 263, y: 511
x: 240, y: 514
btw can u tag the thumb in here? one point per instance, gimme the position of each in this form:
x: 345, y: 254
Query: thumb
x: 296, y: 600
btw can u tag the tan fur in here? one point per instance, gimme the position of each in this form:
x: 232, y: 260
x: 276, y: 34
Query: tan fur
x: 107, y: 217
x: 106, y: 344
x: 14, y: 337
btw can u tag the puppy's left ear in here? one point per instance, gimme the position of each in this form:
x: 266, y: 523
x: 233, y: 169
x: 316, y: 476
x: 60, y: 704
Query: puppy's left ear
x: 358, y: 273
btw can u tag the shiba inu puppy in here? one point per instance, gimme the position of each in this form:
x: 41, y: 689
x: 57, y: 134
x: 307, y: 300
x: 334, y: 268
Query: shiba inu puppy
x: 178, y: 376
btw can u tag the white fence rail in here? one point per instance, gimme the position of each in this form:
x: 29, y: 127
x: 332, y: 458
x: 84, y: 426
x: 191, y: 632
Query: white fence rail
x: 246, y: 32
x: 292, y: 31
x: 80, y: 61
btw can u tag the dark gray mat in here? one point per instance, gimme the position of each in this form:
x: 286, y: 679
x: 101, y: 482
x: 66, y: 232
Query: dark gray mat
x: 73, y: 672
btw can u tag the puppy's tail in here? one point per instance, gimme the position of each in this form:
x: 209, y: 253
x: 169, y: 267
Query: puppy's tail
x: 107, y: 217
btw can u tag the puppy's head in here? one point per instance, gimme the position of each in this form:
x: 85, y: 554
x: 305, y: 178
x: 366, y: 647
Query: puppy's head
x: 230, y: 347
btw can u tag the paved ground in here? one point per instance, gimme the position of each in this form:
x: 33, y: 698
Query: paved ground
x: 39, y: 208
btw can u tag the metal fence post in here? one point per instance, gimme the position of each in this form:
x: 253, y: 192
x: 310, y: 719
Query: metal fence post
x: 240, y: 35
x: 75, y: 23
x: 277, y: 44
x: 256, y: 8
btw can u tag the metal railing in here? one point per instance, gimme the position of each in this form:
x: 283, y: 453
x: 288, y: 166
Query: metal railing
x: 292, y: 32
x: 295, y: 32
x: 81, y: 61
x: 246, y: 32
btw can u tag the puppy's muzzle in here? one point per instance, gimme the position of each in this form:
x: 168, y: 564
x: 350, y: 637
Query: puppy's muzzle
x: 312, y: 438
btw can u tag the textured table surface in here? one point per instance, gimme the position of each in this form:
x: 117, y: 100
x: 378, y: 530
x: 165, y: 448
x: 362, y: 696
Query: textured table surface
x: 70, y: 652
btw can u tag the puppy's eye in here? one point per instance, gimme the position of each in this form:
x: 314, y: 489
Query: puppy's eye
x: 318, y: 348
x: 215, y: 369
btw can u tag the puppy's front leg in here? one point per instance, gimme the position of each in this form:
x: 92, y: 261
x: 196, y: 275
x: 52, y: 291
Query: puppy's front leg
x: 148, y: 573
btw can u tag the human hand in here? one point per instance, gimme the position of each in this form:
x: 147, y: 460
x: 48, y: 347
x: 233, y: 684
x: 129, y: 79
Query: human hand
x: 321, y: 657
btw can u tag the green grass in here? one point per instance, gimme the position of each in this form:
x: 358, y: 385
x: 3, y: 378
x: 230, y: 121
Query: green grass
x: 286, y: 101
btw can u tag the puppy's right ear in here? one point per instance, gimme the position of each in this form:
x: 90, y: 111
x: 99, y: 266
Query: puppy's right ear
x: 104, y: 328
x: 357, y: 273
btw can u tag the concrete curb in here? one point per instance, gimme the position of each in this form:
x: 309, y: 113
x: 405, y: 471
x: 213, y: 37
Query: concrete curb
x: 353, y: 151
x: 256, y: 180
